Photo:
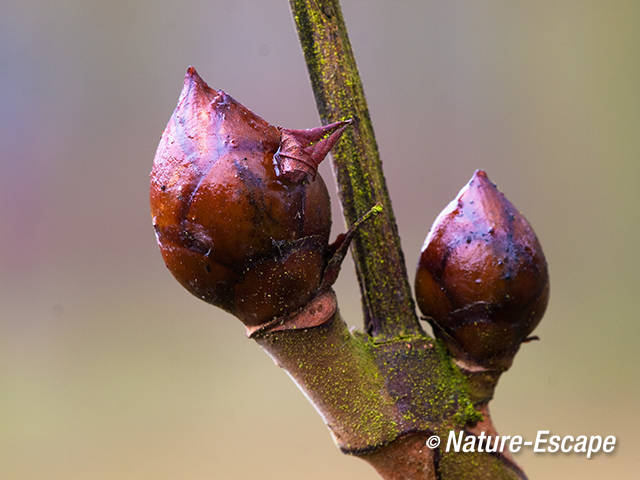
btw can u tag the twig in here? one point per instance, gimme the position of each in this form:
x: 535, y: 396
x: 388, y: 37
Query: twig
x: 386, y: 295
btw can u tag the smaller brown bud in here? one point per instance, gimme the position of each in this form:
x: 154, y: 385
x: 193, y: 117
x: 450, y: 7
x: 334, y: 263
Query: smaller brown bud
x: 482, y: 277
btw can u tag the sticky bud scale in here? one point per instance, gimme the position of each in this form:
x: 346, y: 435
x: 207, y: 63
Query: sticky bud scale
x: 482, y: 278
x: 241, y: 218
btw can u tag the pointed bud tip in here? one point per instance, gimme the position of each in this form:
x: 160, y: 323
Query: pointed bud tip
x: 301, y: 151
x: 192, y: 77
x: 479, y: 185
x: 480, y: 176
x: 309, y: 136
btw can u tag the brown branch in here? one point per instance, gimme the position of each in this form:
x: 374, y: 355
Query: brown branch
x: 382, y: 400
x: 386, y: 295
x: 380, y: 396
x: 406, y: 458
x: 368, y: 393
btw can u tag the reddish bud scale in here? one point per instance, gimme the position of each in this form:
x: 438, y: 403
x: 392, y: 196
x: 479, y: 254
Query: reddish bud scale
x: 232, y: 229
x: 482, y: 276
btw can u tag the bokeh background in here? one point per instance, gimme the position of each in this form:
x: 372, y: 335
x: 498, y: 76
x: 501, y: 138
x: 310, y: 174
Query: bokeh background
x: 110, y: 370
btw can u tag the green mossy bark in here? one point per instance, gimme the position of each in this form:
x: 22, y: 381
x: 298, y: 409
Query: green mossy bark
x: 373, y: 391
x: 387, y: 300
x: 369, y: 393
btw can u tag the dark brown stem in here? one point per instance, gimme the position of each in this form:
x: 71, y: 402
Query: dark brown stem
x: 407, y: 457
x: 386, y: 295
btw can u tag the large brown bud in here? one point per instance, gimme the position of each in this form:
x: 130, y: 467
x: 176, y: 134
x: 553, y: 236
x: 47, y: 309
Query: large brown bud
x: 482, y: 277
x: 240, y: 216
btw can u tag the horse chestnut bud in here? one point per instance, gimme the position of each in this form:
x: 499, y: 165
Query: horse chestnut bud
x: 482, y: 277
x: 241, y: 218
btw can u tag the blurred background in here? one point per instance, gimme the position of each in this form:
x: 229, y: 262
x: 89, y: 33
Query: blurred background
x: 110, y: 370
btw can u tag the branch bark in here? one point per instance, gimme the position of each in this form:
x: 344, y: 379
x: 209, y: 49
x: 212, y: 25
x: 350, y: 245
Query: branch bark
x: 387, y: 301
x: 381, y: 400
x: 381, y: 395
